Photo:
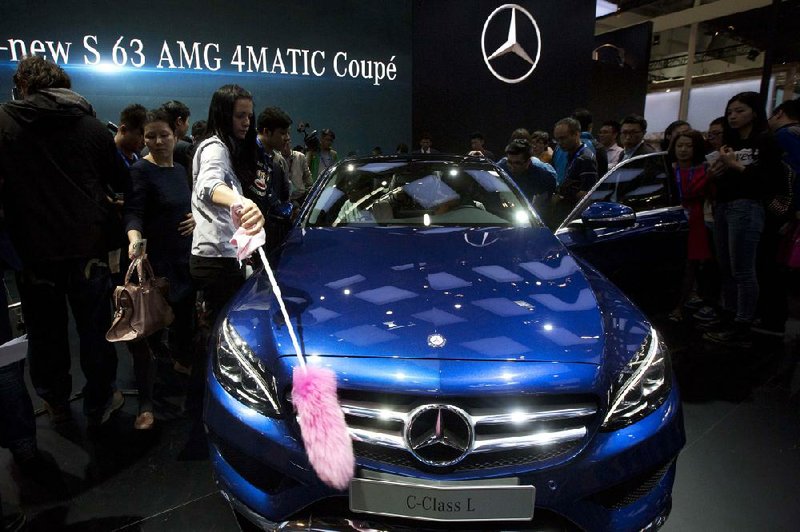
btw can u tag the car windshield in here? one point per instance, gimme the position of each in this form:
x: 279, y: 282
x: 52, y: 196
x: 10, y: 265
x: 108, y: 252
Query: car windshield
x: 418, y: 193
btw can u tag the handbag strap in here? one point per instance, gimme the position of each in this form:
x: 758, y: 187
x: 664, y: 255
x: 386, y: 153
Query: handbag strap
x: 133, y: 266
x: 145, y: 271
x: 141, y: 265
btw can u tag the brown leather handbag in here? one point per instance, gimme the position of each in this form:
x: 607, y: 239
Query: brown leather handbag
x: 140, y: 308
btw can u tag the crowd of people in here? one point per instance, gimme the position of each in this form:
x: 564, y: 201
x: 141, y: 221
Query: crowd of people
x: 80, y: 203
x: 736, y: 184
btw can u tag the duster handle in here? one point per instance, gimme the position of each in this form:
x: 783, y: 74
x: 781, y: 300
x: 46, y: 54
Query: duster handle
x: 275, y: 288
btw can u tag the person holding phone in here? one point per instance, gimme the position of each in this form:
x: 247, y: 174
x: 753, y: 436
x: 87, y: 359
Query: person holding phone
x: 747, y: 171
x: 158, y: 208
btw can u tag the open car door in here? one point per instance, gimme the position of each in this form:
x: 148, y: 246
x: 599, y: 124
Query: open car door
x: 632, y: 228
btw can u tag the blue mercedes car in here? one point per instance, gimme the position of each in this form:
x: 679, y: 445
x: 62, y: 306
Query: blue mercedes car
x: 490, y: 375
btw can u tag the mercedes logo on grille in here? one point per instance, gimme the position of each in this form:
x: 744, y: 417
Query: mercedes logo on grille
x: 512, y: 45
x: 439, y: 435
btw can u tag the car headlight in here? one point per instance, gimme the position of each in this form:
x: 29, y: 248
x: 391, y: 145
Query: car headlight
x: 243, y: 375
x: 643, y: 385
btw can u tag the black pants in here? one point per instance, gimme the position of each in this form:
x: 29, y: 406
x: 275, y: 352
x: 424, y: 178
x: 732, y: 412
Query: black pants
x: 45, y: 289
x: 217, y: 279
x: 180, y: 338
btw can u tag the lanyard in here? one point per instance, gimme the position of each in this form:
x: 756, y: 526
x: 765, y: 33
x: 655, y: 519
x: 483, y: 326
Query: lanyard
x: 678, y: 179
x: 125, y: 159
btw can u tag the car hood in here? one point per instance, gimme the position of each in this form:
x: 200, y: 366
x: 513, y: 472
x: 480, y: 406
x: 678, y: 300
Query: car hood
x: 511, y: 294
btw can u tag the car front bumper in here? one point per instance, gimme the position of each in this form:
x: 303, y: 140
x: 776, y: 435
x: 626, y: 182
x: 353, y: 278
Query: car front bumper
x: 622, y: 480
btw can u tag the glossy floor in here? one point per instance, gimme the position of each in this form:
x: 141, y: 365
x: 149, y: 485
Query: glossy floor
x: 740, y: 469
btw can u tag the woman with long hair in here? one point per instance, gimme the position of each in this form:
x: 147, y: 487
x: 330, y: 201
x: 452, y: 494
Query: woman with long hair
x: 746, y: 173
x: 225, y: 159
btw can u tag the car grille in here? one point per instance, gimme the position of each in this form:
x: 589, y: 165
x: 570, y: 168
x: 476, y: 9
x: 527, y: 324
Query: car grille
x: 505, y: 431
x: 475, y: 462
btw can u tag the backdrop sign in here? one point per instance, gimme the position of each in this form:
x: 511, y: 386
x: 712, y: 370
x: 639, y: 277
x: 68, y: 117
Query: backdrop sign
x: 341, y: 64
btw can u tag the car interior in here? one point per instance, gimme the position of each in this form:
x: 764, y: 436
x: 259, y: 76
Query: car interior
x: 417, y: 195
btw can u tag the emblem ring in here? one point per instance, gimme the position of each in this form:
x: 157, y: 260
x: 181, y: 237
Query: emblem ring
x: 538, y: 43
x: 439, y: 434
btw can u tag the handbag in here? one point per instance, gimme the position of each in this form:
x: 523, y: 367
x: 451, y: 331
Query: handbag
x: 779, y: 203
x: 140, y: 308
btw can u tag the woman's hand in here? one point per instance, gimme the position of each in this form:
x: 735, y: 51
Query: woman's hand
x: 727, y: 156
x: 716, y: 169
x: 251, y: 218
x: 135, y: 249
x: 135, y: 244
x: 186, y: 227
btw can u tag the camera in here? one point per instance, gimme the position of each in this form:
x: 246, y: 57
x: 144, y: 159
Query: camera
x: 310, y: 138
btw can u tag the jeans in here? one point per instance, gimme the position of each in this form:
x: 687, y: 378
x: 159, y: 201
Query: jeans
x: 44, y: 291
x: 738, y: 225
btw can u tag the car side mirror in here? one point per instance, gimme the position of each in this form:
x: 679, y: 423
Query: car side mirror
x: 607, y: 214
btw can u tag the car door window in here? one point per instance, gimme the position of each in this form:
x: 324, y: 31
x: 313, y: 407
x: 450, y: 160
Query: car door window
x: 643, y: 183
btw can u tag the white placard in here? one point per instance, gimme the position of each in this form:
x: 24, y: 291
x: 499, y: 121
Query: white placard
x: 13, y: 350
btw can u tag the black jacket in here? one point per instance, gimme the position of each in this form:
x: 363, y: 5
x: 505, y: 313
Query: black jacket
x: 58, y: 164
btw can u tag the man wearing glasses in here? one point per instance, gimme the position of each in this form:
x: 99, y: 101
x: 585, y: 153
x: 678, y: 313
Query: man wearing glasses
x: 632, y: 137
x: 714, y: 134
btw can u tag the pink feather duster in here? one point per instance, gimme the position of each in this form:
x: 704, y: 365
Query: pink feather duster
x: 321, y: 419
x: 322, y: 425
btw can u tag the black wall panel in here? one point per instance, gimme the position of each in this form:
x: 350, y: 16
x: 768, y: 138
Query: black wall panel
x: 454, y: 91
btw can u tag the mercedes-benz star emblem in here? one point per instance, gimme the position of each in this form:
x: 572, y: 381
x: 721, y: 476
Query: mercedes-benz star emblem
x: 439, y: 435
x: 436, y: 340
x: 512, y: 45
x: 485, y: 238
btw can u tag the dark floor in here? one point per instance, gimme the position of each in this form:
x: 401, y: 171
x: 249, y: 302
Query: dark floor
x: 740, y: 469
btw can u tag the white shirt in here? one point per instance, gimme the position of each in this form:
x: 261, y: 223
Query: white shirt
x: 299, y: 174
x: 212, y: 167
